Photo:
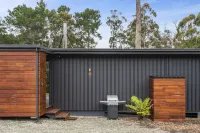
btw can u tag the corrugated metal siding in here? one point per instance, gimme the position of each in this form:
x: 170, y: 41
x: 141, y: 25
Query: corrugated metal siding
x: 73, y: 89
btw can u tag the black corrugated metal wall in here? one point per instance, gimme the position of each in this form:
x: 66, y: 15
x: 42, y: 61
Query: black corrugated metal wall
x: 73, y: 89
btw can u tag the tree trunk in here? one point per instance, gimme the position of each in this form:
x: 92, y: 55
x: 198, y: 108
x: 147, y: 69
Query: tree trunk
x: 138, y: 25
x: 88, y: 40
x: 64, y: 35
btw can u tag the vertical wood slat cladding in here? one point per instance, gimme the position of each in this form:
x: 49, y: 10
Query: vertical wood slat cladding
x: 18, y: 84
x: 42, y: 83
x: 168, y: 97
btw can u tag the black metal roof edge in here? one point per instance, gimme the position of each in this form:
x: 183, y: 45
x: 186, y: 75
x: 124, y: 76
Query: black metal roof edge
x: 125, y: 51
x: 19, y: 46
x: 166, y: 76
x: 119, y: 50
x: 23, y: 47
x: 69, y: 51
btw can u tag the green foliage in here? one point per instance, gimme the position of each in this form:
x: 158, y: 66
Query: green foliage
x: 29, y: 24
x: 142, y: 108
x: 118, y: 37
x: 188, y: 34
x: 6, y: 38
x: 55, y: 21
x: 87, y: 24
x: 39, y: 25
x: 150, y: 29
x: 167, y: 39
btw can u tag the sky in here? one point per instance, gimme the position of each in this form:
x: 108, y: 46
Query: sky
x: 168, y: 11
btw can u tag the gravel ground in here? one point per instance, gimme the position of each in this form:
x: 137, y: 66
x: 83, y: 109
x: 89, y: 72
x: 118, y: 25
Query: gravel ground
x: 81, y: 125
x: 191, y: 125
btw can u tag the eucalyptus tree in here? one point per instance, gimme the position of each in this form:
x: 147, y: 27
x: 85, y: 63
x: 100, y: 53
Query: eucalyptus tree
x: 118, y: 37
x: 138, y: 29
x: 150, y: 34
x: 188, y: 32
x: 56, y: 18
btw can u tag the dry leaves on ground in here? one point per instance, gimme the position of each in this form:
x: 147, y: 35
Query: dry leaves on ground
x: 189, y: 126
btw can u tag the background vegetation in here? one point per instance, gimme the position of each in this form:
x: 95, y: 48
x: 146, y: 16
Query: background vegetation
x: 40, y: 25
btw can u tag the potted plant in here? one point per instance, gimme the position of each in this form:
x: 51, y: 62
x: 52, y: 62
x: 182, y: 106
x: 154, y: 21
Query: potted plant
x: 142, y: 108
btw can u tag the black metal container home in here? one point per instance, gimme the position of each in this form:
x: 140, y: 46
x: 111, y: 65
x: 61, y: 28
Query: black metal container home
x: 80, y: 78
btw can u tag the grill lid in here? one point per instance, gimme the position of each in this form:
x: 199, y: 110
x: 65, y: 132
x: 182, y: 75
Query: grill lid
x: 112, y: 98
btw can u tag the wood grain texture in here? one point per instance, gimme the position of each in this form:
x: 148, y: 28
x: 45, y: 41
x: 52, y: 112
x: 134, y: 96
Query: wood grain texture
x: 42, y: 83
x: 168, y: 97
x: 18, y: 84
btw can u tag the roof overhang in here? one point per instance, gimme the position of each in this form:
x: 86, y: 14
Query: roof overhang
x: 83, y: 51
x: 125, y: 51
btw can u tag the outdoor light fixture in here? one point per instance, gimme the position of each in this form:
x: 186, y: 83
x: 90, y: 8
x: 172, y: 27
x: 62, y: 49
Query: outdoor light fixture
x: 89, y: 71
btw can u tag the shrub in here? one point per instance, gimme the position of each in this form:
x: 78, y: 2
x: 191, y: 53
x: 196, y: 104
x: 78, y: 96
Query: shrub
x: 142, y: 108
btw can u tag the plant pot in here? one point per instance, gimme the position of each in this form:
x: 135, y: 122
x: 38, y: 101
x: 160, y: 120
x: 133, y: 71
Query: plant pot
x: 140, y: 117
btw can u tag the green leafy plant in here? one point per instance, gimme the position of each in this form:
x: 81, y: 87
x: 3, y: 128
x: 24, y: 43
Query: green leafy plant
x: 142, y: 108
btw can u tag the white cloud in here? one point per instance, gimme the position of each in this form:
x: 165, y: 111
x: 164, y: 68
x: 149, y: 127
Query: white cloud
x: 179, y: 11
x: 166, y: 18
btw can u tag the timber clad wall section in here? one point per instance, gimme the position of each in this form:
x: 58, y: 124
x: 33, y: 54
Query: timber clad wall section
x: 18, y: 84
x: 42, y: 83
x: 168, y: 96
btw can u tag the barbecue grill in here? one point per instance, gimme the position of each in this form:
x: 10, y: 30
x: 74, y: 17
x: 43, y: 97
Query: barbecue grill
x: 112, y: 106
